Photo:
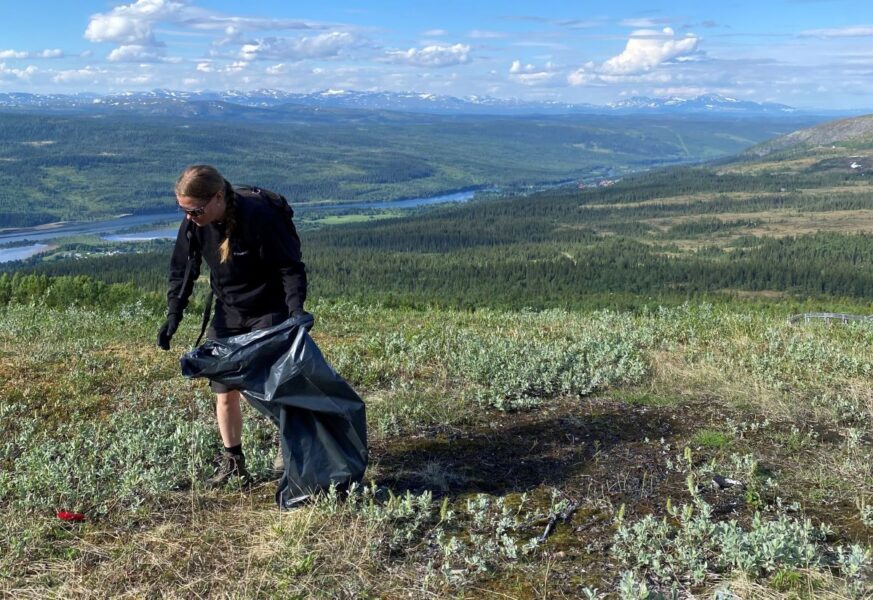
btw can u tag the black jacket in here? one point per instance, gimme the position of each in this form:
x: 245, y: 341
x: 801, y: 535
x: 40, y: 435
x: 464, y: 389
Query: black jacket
x: 263, y: 275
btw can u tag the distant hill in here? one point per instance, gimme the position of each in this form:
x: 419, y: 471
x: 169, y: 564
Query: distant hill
x: 215, y: 104
x: 853, y: 133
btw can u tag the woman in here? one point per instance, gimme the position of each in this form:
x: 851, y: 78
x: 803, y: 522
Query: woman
x: 256, y: 275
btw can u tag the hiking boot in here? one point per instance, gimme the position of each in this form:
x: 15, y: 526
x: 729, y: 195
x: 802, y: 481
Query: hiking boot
x: 229, y: 466
x: 278, y: 464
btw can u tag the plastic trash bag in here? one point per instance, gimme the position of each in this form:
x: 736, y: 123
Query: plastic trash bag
x: 281, y: 372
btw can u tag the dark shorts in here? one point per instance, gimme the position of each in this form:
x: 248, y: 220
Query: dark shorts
x: 222, y: 330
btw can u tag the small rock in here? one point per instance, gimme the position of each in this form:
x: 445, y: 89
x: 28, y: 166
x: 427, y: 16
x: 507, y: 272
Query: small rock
x: 721, y: 483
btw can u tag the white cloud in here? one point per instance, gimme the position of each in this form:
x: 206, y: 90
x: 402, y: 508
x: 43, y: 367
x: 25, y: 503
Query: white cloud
x: 134, y: 23
x: 87, y: 74
x: 685, y: 91
x: 211, y: 67
x: 200, y: 19
x: 135, y: 80
x: 583, y: 75
x: 48, y: 53
x: 530, y: 75
x: 432, y: 56
x: 276, y: 69
x: 435, y: 33
x: 646, y: 49
x: 639, y: 62
x: 538, y: 78
x: 11, y: 73
x: 854, y: 31
x: 232, y: 35
x: 135, y: 53
x: 131, y: 23
x: 325, y: 45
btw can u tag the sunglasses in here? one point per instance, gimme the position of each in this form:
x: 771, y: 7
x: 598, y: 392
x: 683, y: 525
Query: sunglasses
x: 196, y: 212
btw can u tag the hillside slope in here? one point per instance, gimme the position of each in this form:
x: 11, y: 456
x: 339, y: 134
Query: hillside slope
x: 855, y: 133
x: 527, y: 455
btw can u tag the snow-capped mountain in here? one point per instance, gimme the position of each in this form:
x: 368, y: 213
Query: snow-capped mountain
x: 708, y: 103
x: 162, y: 101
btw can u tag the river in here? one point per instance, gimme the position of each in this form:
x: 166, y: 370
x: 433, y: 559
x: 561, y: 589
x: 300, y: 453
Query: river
x: 109, y: 229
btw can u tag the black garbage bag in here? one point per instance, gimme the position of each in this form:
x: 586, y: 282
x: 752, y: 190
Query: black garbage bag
x: 281, y: 372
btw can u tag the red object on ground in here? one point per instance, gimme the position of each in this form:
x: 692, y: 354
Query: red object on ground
x: 65, y: 515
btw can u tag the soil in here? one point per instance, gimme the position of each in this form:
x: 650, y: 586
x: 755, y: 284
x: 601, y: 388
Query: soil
x: 598, y: 452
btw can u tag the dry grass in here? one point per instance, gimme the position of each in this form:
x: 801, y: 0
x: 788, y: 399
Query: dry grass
x: 801, y: 584
x: 674, y: 376
x: 208, y: 547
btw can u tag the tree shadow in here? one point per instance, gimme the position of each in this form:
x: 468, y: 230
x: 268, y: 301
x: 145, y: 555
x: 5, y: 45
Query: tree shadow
x: 509, y: 456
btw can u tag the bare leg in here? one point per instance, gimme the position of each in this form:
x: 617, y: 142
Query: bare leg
x: 229, y: 417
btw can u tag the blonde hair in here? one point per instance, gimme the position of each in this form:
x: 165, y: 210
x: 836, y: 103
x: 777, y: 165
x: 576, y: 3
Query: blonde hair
x: 203, y: 182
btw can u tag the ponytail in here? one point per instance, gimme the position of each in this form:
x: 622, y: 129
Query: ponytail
x: 229, y: 222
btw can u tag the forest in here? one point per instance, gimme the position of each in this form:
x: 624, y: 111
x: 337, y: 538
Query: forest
x: 672, y: 234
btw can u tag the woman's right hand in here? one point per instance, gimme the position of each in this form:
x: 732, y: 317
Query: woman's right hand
x: 165, y: 334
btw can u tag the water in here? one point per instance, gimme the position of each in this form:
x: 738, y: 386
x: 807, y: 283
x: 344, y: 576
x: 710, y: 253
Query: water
x: 21, y: 252
x: 408, y: 203
x: 167, y: 233
x: 108, y: 229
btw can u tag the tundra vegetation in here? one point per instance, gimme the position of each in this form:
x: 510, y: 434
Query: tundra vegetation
x: 588, y: 393
x: 696, y: 449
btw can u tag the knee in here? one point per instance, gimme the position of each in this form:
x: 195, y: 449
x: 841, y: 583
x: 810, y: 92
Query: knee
x: 227, y: 399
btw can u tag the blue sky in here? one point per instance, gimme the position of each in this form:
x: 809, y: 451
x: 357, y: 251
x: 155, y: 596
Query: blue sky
x: 805, y: 53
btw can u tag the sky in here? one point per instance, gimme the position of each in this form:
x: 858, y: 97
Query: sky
x: 804, y: 53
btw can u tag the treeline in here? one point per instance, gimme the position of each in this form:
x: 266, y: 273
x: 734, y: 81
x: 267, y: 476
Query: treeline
x: 62, y: 292
x: 146, y: 271
x: 540, y: 275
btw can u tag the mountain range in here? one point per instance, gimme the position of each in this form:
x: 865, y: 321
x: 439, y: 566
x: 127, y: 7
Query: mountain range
x: 161, y: 101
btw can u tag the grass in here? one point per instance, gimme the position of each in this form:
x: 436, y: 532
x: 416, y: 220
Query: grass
x: 356, y: 218
x: 643, y: 398
x: 505, y: 463
x: 709, y: 438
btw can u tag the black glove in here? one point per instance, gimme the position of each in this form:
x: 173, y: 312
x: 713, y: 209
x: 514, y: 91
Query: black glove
x: 298, y: 313
x: 166, y: 333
